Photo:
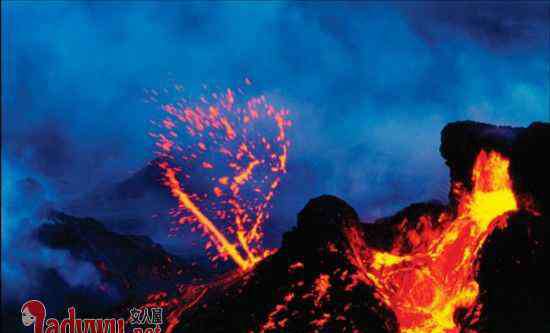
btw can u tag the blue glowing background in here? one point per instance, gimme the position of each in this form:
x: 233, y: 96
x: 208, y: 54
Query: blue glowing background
x: 369, y: 86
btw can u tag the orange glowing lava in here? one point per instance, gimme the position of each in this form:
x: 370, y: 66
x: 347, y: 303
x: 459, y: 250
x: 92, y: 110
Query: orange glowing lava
x: 222, y: 159
x: 426, y: 285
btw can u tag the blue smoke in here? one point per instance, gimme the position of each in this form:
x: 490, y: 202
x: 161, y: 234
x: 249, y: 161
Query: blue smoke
x: 369, y: 86
x: 24, y: 259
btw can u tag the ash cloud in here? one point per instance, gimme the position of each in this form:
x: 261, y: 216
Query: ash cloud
x: 369, y: 85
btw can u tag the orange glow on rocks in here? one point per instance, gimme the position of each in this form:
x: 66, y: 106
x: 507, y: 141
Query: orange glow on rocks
x: 222, y: 160
x: 426, y: 285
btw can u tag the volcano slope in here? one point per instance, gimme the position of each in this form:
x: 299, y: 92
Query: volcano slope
x: 477, y: 264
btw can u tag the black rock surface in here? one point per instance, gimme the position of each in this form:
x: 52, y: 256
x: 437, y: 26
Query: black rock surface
x: 134, y: 265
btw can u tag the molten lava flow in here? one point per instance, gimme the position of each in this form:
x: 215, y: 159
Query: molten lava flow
x: 222, y: 160
x: 188, y: 296
x: 424, y: 286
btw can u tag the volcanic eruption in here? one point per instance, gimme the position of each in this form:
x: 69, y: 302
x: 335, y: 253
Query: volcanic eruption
x: 424, y: 269
x: 429, y: 272
x: 242, y: 149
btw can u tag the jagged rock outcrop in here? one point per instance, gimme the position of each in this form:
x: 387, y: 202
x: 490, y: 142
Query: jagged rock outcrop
x: 513, y: 276
x: 512, y: 273
x: 525, y: 146
x: 133, y: 265
x: 308, y: 284
x: 514, y: 292
x: 303, y: 287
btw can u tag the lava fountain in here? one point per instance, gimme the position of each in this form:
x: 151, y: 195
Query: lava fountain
x: 426, y: 285
x: 222, y: 159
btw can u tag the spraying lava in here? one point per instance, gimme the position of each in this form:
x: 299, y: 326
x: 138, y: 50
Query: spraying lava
x: 223, y: 159
x: 430, y: 268
x: 425, y: 285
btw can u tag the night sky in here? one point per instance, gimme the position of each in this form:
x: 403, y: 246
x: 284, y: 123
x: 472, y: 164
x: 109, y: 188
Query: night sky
x: 369, y: 87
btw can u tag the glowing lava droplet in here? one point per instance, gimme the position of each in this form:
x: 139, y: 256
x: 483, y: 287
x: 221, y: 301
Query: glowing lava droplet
x: 222, y: 159
x: 426, y: 285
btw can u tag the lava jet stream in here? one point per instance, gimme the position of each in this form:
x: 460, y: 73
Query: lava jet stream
x: 222, y: 159
x: 426, y: 285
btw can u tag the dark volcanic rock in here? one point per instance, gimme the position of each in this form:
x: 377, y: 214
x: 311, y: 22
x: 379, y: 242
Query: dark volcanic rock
x: 127, y: 206
x: 513, y: 276
x: 326, y: 209
x: 133, y: 265
x: 462, y: 141
x: 527, y: 149
x: 96, y: 270
x: 387, y: 231
x: 530, y: 164
x: 139, y: 204
x: 285, y: 289
x: 308, y: 284
x: 282, y: 291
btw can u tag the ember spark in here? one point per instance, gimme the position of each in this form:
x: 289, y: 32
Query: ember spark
x: 223, y: 159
